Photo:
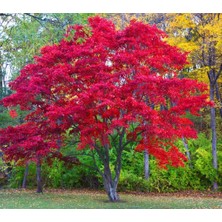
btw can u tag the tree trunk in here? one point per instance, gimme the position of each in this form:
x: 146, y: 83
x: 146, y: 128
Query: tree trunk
x: 146, y: 165
x: 214, y: 135
x: 111, y: 181
x: 111, y: 188
x: 123, y: 20
x: 25, y: 176
x: 110, y: 184
x: 187, y: 151
x: 38, y: 177
x: 111, y: 191
x: 219, y: 99
x: 1, y: 80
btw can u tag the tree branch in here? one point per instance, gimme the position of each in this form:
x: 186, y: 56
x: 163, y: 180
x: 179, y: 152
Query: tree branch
x: 218, y: 73
x: 129, y: 141
x: 119, y: 155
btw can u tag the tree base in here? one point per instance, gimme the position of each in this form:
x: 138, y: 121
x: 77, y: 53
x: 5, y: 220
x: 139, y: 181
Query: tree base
x: 113, y: 196
x: 215, y: 186
x: 39, y: 190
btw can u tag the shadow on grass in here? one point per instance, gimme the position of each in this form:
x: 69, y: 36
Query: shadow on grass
x: 108, y: 201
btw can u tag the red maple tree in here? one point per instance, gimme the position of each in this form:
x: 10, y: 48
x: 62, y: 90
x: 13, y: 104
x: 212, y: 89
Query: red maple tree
x: 110, y: 88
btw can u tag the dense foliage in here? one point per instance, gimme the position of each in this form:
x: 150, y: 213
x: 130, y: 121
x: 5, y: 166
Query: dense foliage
x: 105, y: 95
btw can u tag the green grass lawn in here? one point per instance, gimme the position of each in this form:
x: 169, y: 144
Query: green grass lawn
x: 80, y: 199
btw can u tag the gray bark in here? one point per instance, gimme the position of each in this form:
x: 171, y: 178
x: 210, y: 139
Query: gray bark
x: 1, y: 79
x: 213, y: 80
x: 187, y: 150
x: 219, y: 98
x: 110, y: 185
x: 24, y: 182
x: 214, y: 135
x: 146, y: 165
x: 123, y: 20
x: 38, y: 177
x: 111, y: 181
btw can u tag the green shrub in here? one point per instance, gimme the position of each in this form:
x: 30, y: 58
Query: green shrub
x: 131, y: 182
x: 196, y: 175
x: 17, y: 175
x: 52, y: 175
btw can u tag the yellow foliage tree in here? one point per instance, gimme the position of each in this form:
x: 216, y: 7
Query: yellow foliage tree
x: 201, y: 35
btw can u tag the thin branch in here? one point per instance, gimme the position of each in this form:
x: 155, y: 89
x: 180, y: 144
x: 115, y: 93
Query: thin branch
x: 40, y: 19
x: 119, y: 155
x: 129, y: 141
x: 113, y: 137
x: 95, y: 164
x: 99, y: 152
x: 5, y: 14
x: 218, y: 74
x: 95, y: 167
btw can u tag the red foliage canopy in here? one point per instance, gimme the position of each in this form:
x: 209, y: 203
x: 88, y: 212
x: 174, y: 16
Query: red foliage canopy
x: 104, y: 82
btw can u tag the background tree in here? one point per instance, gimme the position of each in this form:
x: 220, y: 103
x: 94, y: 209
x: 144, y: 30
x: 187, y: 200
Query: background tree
x: 201, y: 35
x: 24, y: 35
